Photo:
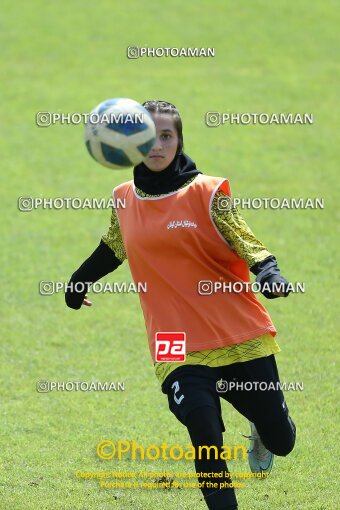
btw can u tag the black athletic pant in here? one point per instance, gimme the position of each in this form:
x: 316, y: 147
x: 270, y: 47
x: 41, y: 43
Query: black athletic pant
x: 195, y: 401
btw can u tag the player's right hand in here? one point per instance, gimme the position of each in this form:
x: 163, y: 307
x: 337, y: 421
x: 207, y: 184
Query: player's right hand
x: 86, y: 302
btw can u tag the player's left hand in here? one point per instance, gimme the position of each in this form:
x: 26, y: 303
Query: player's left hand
x: 277, y: 281
x: 285, y: 284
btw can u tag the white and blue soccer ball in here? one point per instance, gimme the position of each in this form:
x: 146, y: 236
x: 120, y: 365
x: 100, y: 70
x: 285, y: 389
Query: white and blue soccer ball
x: 119, y: 133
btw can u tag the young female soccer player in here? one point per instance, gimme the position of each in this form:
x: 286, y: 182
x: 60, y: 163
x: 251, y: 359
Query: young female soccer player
x: 176, y: 231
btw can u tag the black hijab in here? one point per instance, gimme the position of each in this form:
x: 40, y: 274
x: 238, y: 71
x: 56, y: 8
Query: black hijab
x: 180, y: 170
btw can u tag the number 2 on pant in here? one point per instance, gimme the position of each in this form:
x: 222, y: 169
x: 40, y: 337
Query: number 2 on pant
x: 176, y: 386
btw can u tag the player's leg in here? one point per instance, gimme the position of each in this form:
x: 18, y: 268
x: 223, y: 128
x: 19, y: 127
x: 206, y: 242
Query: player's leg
x: 262, y: 405
x: 193, y: 400
x: 277, y: 431
x: 204, y: 427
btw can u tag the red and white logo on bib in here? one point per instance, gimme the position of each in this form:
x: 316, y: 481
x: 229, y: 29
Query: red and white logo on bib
x: 170, y: 346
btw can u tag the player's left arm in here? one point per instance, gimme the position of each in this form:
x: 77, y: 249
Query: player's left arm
x: 240, y: 237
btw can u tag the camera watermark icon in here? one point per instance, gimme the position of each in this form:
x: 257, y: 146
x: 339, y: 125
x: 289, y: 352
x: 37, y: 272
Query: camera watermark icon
x: 205, y: 287
x: 132, y: 52
x: 224, y: 203
x: 46, y: 288
x: 144, y: 51
x: 43, y: 119
x: 212, y: 119
x: 42, y: 387
x: 215, y: 119
x: 25, y: 204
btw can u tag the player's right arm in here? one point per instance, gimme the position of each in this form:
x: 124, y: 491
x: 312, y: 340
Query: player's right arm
x: 106, y: 258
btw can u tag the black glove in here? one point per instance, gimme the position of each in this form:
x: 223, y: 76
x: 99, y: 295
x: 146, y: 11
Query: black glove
x: 99, y: 264
x: 267, y: 272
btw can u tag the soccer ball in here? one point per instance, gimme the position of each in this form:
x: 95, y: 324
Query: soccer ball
x: 119, y: 133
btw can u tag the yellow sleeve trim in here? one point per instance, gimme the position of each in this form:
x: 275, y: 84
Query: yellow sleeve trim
x: 114, y: 239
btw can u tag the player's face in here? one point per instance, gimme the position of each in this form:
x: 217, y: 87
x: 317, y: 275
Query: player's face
x: 165, y: 146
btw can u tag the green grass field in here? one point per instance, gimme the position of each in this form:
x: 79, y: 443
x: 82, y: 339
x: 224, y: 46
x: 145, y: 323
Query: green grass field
x: 67, y: 57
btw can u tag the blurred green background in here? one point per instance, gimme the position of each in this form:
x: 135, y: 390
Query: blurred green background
x: 69, y: 56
